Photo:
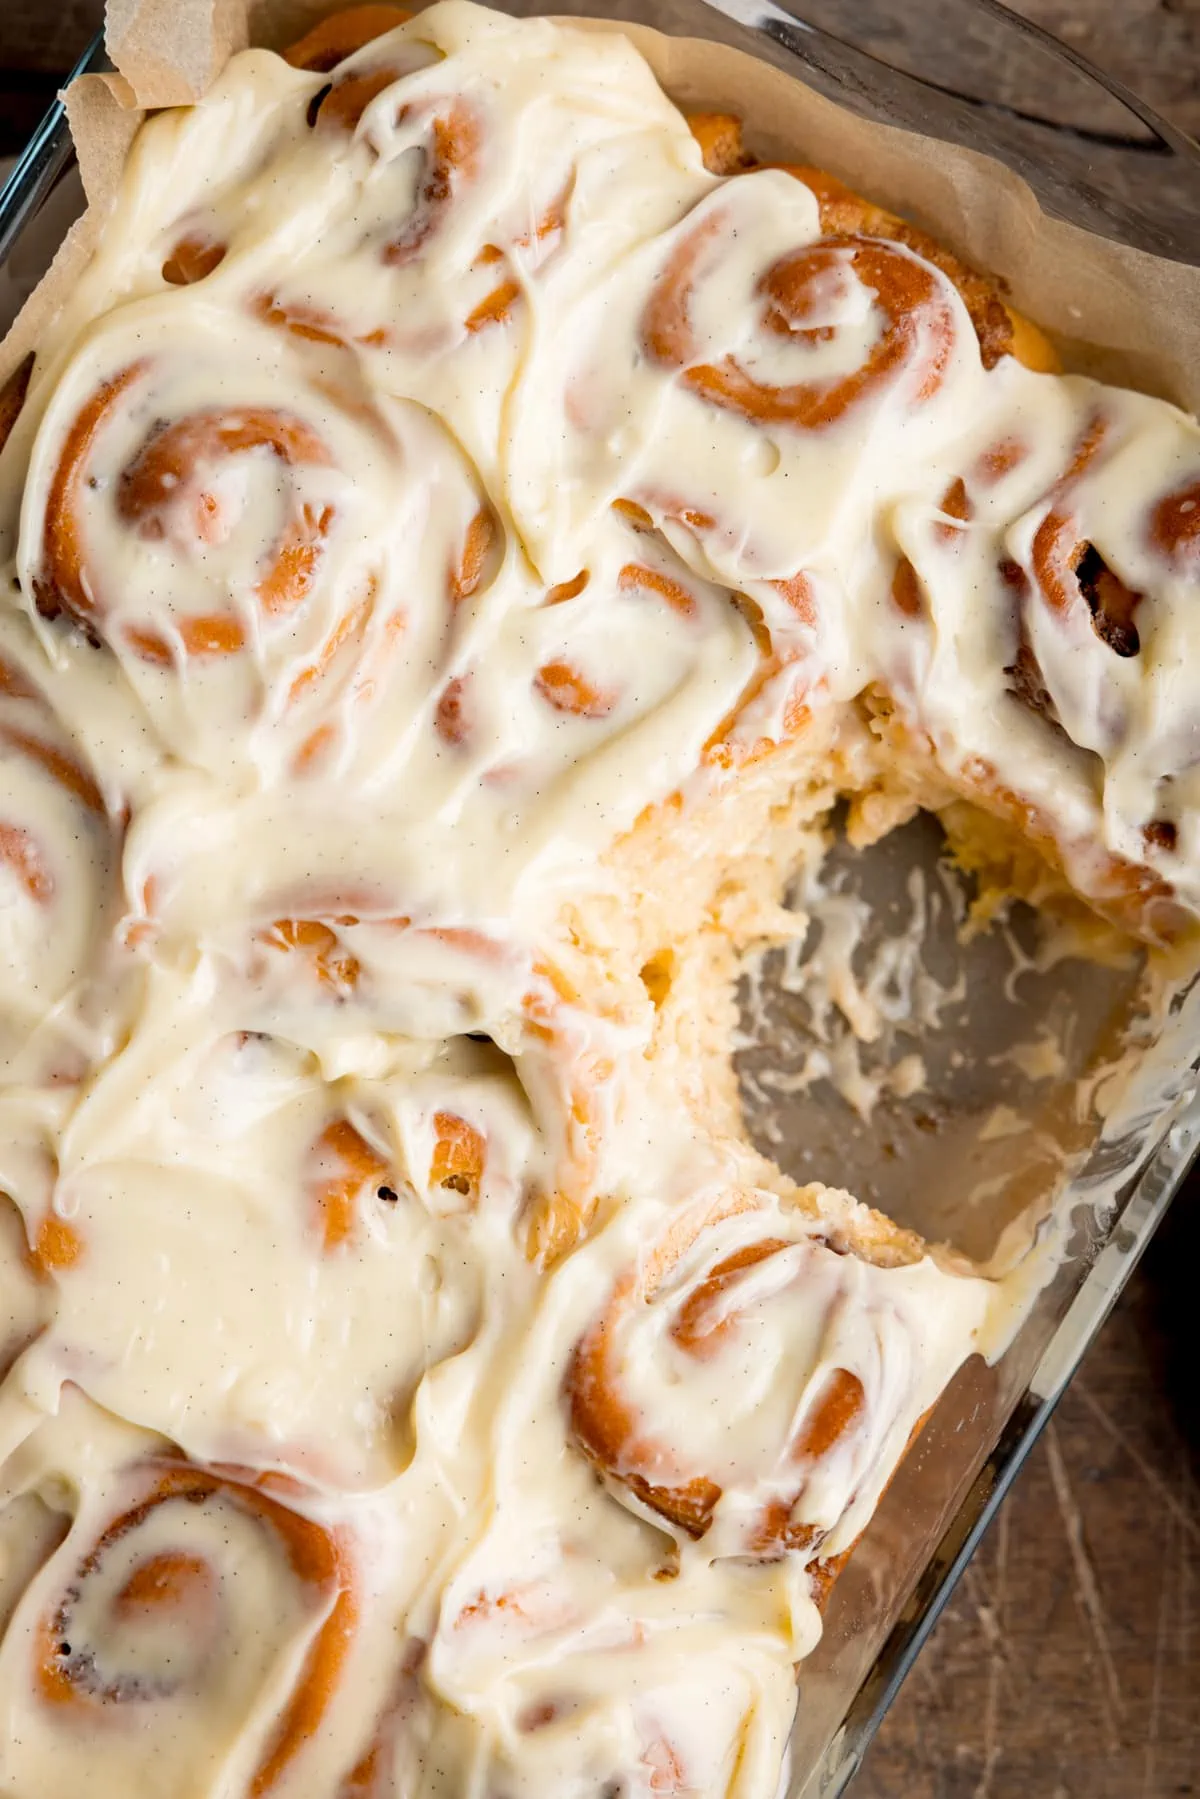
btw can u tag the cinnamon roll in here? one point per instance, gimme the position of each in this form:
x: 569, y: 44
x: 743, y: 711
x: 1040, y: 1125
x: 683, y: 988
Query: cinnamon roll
x: 910, y: 353
x: 527, y: 1680
x: 183, y: 1605
x: 1081, y: 569
x: 663, y: 1401
x: 312, y: 1180
x: 209, y: 546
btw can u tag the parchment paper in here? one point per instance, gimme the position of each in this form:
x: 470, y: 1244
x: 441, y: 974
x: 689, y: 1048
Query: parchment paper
x: 1115, y: 311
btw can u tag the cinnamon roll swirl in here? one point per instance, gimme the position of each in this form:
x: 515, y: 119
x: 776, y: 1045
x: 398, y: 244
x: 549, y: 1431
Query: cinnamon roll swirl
x: 182, y: 1601
x: 663, y: 1401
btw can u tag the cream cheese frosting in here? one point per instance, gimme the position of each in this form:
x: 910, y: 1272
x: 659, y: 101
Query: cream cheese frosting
x: 437, y: 475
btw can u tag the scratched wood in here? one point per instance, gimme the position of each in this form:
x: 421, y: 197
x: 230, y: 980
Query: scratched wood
x: 1068, y: 1664
x: 1153, y: 46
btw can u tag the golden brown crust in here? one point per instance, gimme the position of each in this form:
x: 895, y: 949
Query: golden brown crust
x: 719, y: 135
x: 341, y: 34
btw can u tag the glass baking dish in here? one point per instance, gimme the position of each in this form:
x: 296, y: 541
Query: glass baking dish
x: 969, y: 72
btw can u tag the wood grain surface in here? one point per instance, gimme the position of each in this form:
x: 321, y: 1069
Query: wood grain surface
x: 1067, y: 1666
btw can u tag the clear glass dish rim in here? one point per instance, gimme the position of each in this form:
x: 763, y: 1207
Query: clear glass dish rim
x: 1176, y: 139
x: 48, y: 154
x: 1129, y: 1232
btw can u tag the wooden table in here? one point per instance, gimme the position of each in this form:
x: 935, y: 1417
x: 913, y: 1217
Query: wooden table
x: 1068, y: 1664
